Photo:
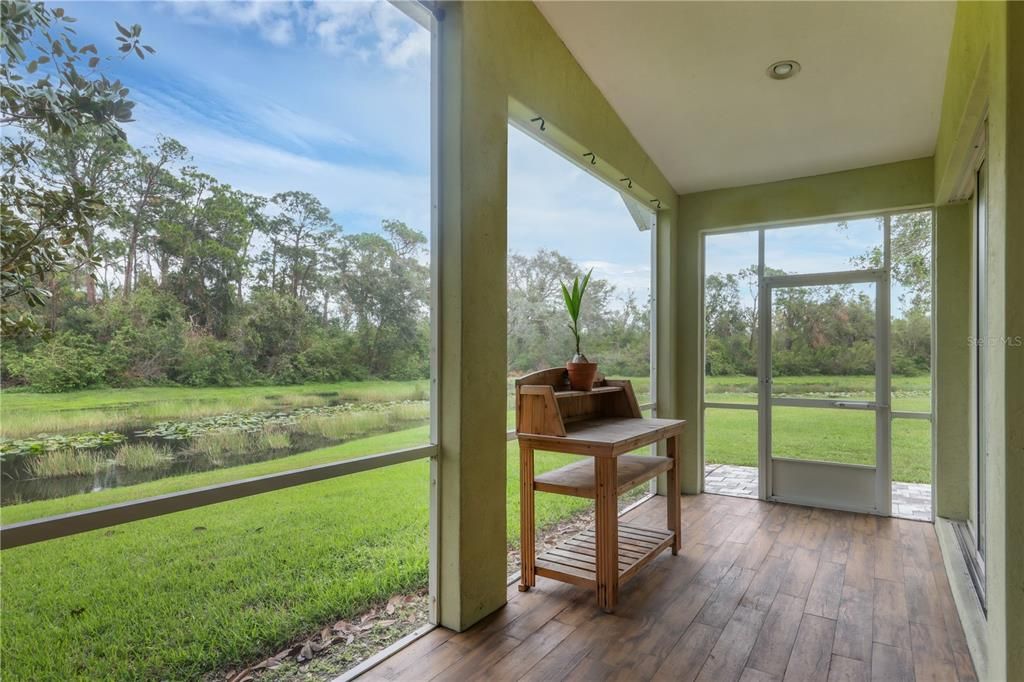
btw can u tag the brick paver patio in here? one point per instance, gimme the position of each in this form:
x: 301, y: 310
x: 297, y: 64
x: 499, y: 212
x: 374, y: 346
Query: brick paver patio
x: 909, y: 500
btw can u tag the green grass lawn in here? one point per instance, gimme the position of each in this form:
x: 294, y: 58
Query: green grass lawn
x: 211, y: 588
x: 730, y: 436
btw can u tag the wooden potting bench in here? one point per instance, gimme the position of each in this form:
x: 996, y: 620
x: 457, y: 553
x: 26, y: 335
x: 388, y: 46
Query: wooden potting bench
x: 604, y: 424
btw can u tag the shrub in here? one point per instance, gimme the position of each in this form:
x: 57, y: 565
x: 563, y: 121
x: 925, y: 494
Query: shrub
x: 11, y: 363
x: 205, y: 361
x: 331, y: 357
x: 273, y: 332
x: 144, y: 335
x: 63, y: 363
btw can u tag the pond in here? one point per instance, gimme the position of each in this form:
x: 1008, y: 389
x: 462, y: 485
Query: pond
x: 49, y: 467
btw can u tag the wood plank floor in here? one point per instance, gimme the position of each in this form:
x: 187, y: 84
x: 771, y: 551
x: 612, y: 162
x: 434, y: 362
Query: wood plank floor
x: 760, y: 591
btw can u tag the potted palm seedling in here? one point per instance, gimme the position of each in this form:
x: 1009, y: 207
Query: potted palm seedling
x: 581, y: 370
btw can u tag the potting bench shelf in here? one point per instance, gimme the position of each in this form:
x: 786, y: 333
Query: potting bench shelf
x: 604, y: 424
x: 575, y: 560
x: 578, y: 479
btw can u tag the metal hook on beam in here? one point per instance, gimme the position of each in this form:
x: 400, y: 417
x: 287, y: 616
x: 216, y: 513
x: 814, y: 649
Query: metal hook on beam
x: 541, y: 119
x: 629, y: 182
x: 593, y: 158
x: 658, y: 202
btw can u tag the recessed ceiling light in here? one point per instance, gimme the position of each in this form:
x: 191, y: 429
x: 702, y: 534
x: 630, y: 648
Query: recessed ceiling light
x: 787, y: 68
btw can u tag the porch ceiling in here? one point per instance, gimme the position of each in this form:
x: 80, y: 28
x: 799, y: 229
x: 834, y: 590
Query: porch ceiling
x: 688, y: 79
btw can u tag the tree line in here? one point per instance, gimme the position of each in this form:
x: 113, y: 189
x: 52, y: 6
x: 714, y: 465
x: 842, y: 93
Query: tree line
x: 185, y: 279
x: 825, y: 330
x: 191, y: 281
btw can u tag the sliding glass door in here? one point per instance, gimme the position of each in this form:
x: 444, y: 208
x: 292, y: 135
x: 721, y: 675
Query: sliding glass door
x: 974, y: 541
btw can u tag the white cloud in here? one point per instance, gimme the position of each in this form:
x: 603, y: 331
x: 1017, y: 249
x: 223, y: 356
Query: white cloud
x: 273, y: 20
x: 338, y: 25
x: 397, y: 44
x: 635, y: 278
x: 299, y: 128
x: 278, y: 32
x: 367, y: 30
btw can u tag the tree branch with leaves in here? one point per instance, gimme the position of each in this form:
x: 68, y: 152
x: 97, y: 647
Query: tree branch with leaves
x: 50, y: 83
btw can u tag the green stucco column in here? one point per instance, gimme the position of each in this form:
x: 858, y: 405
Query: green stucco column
x: 471, y: 514
x: 689, y: 346
x: 1014, y: 330
x: 952, y: 363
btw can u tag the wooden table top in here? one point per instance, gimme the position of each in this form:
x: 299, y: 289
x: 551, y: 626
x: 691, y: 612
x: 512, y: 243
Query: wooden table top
x: 608, y: 437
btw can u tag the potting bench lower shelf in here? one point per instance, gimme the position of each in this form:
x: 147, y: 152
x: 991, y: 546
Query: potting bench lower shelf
x: 575, y: 560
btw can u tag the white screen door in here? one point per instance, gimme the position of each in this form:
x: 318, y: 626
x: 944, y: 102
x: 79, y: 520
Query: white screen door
x: 820, y: 447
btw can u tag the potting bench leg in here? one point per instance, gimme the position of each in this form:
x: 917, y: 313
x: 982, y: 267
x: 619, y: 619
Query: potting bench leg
x: 527, y: 532
x: 675, y: 517
x: 606, y: 532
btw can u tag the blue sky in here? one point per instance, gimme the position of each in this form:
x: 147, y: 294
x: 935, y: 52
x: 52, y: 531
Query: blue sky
x: 330, y: 98
x: 821, y: 247
x: 554, y: 204
x: 333, y: 98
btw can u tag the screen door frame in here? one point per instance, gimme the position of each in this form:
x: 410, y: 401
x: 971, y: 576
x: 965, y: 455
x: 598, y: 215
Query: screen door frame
x: 848, y: 487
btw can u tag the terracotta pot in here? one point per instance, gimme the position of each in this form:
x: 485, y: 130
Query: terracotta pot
x: 581, y: 375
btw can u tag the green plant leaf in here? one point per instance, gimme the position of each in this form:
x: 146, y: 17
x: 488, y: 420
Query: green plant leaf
x: 586, y: 281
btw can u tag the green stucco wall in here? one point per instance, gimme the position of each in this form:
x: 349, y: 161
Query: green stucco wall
x: 986, y: 76
x: 491, y: 52
x: 888, y: 186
